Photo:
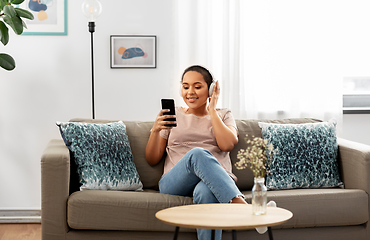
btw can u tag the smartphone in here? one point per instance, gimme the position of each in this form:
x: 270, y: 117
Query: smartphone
x: 169, y: 104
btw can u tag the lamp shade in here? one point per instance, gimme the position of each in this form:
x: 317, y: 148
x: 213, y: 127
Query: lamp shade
x: 91, y: 9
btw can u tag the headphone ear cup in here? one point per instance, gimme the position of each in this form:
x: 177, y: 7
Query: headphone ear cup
x: 211, y: 89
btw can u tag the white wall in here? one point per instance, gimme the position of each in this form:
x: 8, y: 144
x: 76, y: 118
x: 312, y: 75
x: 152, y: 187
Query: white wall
x: 52, y: 82
x: 356, y: 127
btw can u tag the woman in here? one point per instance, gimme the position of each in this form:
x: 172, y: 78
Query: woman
x: 197, y: 162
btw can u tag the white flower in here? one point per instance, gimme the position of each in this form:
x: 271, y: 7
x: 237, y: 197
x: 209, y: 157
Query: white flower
x: 257, y: 157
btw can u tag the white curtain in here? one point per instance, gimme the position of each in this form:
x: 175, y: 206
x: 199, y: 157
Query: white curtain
x: 274, y: 59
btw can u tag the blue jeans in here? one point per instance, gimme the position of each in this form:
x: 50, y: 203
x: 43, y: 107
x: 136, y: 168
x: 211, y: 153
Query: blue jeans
x: 200, y: 175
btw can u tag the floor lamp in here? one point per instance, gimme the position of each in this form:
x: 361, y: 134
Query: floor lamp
x: 92, y: 9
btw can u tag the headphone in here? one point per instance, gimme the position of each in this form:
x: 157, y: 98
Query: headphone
x: 210, y: 90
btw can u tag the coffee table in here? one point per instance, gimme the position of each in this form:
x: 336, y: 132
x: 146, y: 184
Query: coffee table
x: 222, y: 216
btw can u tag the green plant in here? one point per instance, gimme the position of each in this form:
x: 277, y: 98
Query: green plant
x: 11, y: 16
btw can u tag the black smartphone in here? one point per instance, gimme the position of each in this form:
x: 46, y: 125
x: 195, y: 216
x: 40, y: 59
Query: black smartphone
x: 169, y: 104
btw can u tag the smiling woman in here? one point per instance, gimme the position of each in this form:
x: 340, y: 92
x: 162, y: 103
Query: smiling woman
x: 197, y: 162
x: 195, y: 93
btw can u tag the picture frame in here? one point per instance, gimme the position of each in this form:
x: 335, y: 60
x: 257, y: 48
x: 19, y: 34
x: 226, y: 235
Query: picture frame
x: 133, y: 51
x: 50, y: 17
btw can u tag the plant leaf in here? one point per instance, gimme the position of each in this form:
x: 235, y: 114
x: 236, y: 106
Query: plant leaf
x: 9, y: 10
x: 24, y: 13
x: 15, y: 23
x: 17, y: 1
x: 7, y: 62
x: 4, y: 33
x: 3, y: 3
x: 24, y: 24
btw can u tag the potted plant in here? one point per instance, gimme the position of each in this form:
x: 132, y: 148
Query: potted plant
x: 11, y: 16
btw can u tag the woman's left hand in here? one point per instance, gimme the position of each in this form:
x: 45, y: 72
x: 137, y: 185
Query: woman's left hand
x: 215, y: 95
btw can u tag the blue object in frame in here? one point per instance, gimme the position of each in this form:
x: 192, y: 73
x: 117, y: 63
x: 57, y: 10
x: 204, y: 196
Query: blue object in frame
x: 133, y: 52
x: 36, y: 6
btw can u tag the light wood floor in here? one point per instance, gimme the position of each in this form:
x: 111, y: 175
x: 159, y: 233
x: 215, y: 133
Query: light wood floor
x: 21, y: 231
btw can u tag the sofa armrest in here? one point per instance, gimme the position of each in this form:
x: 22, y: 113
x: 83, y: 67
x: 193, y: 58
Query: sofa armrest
x: 55, y: 177
x: 354, y: 161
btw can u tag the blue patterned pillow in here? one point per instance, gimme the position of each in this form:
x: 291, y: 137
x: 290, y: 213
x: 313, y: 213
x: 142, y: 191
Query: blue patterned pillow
x: 102, y: 154
x: 307, y: 155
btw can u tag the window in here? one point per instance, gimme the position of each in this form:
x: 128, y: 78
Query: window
x: 356, y: 95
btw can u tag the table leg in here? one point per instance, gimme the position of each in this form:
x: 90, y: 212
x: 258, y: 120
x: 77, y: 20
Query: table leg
x: 234, y: 234
x: 270, y: 233
x: 176, y: 233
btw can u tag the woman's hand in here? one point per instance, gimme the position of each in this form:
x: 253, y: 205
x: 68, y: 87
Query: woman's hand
x: 215, y: 95
x: 156, y: 144
x: 226, y: 136
x: 160, y: 121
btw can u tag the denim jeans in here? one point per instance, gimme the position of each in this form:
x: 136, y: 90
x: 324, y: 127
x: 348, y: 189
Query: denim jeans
x: 200, y: 175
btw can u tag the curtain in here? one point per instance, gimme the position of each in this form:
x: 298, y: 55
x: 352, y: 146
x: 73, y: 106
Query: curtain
x: 274, y: 59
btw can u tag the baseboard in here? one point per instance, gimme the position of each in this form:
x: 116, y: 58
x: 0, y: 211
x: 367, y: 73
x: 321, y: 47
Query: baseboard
x: 20, y: 216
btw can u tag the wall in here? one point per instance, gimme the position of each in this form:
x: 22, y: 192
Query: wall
x: 356, y: 127
x: 52, y: 82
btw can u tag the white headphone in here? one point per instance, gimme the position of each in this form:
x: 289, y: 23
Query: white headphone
x: 210, y: 90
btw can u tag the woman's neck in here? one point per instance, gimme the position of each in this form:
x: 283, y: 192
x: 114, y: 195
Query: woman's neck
x: 200, y: 112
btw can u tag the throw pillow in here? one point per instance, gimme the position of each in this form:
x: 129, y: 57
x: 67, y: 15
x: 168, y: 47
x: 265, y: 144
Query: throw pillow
x: 102, y: 154
x: 307, y: 155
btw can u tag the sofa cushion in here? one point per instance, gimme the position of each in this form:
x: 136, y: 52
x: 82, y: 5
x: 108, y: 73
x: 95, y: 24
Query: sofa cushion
x: 112, y: 210
x: 321, y: 207
x: 307, y: 155
x: 121, y: 210
x: 251, y: 128
x: 102, y: 154
x: 138, y: 135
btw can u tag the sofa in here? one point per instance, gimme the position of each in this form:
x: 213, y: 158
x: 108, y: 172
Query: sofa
x: 318, y: 213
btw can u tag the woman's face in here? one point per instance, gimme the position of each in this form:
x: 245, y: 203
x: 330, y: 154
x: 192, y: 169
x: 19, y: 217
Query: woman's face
x: 194, y: 90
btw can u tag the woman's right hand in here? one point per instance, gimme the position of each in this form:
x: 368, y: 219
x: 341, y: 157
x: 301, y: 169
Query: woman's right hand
x: 160, y: 121
x: 156, y: 144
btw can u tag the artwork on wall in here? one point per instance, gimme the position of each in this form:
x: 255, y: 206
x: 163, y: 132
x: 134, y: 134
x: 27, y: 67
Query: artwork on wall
x: 127, y: 51
x: 50, y: 17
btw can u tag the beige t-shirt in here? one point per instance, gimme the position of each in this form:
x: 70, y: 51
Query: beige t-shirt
x: 193, y: 131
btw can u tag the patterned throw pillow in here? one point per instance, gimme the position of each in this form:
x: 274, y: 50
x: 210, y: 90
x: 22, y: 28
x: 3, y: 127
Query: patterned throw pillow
x: 102, y: 154
x: 307, y: 155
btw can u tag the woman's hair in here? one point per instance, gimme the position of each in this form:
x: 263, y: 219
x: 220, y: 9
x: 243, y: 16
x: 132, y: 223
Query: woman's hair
x: 207, y: 76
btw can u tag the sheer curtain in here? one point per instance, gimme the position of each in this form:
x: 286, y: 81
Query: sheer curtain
x: 274, y: 59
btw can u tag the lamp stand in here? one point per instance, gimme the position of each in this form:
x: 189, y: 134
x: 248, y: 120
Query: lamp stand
x: 92, y: 30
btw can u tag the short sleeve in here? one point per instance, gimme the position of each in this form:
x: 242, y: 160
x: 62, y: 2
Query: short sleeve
x: 228, y: 118
x: 164, y: 133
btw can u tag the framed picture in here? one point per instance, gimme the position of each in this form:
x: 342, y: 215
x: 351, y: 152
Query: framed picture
x: 50, y: 17
x: 132, y: 51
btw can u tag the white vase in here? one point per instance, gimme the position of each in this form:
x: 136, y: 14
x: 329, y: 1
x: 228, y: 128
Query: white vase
x: 259, y: 196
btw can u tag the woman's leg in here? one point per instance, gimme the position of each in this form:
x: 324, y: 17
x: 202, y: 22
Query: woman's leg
x: 199, y: 173
x: 202, y: 195
x: 199, y: 165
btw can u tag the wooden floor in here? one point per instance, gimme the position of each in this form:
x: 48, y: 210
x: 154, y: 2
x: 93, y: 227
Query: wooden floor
x: 21, y: 231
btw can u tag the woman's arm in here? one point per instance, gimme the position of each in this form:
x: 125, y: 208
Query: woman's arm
x: 156, y: 144
x: 226, y: 136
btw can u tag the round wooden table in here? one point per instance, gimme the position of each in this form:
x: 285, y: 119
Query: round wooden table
x: 222, y: 216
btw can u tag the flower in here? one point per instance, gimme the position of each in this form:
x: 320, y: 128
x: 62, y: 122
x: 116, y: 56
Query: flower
x: 257, y: 156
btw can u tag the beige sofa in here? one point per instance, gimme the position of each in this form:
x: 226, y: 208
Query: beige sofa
x: 67, y: 213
